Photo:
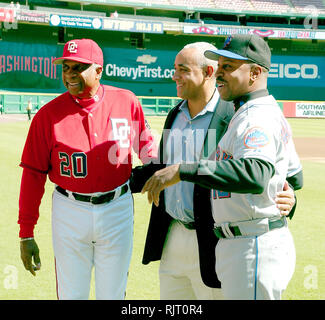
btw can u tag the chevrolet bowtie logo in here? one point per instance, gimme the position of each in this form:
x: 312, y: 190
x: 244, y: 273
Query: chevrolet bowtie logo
x: 146, y: 59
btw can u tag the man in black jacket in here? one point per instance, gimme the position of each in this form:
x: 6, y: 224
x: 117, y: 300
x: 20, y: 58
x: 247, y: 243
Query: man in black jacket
x: 180, y: 232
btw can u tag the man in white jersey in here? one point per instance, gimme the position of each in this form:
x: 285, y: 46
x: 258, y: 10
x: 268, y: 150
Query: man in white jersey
x: 255, y: 254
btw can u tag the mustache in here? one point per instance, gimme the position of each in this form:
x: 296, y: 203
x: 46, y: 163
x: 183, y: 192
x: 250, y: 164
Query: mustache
x: 220, y: 79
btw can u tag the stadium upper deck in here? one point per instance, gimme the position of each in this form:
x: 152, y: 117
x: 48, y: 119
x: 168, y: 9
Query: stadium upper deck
x: 269, y: 6
x: 273, y: 6
x: 260, y: 13
x: 135, y: 57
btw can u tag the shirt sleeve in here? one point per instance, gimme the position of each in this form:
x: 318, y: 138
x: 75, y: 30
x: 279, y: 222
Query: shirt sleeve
x: 36, y: 164
x: 255, y: 142
x: 241, y: 175
x: 37, y: 150
x: 294, y: 165
x: 296, y: 181
x: 31, y: 193
x: 141, y: 174
x: 295, y: 174
x: 144, y: 143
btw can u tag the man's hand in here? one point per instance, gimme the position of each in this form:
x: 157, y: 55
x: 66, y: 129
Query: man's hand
x: 160, y: 180
x: 29, y: 250
x: 285, y: 200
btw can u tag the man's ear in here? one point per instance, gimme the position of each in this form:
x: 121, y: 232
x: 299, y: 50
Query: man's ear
x: 209, y: 71
x: 99, y: 71
x: 255, y: 72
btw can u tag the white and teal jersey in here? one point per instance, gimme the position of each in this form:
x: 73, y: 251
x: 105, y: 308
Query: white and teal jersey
x: 257, y: 130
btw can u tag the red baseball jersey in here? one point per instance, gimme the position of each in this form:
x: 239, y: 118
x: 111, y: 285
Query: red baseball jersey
x: 84, y: 146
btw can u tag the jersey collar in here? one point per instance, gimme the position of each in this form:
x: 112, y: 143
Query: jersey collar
x: 238, y: 102
x: 86, y: 103
x: 210, y: 107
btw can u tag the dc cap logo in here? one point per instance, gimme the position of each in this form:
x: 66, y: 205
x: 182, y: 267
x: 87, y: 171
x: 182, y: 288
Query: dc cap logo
x: 72, y: 47
x: 227, y: 42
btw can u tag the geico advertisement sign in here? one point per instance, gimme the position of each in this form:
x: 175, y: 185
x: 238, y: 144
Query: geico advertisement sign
x: 293, y: 71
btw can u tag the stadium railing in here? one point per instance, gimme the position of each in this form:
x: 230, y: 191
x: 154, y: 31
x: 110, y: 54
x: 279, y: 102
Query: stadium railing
x: 17, y: 102
x: 157, y: 105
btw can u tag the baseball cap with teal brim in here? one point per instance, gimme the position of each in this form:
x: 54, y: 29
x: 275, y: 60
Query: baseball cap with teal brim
x: 244, y: 47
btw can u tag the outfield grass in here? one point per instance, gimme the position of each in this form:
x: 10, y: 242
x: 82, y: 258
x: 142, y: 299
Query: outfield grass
x: 308, y: 128
x: 16, y: 283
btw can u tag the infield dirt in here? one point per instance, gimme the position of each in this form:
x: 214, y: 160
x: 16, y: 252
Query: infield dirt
x: 312, y: 149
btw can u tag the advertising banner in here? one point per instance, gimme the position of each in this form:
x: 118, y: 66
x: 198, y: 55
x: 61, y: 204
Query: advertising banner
x: 270, y: 33
x: 303, y: 109
x: 297, y: 71
x: 57, y: 20
x: 133, y: 26
x: 28, y: 66
x: 130, y: 65
x: 32, y: 16
x: 310, y: 110
x: 25, y: 66
x: 7, y: 15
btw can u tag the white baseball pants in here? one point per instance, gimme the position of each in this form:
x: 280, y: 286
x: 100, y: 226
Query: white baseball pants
x: 256, y: 268
x: 87, y: 236
x: 179, y: 272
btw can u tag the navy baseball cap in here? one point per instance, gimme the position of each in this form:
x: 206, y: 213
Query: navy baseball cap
x: 244, y: 47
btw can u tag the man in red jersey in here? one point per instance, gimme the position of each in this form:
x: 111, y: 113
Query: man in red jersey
x: 83, y: 141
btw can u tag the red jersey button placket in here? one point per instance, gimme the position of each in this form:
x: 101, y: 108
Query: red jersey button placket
x: 93, y: 141
x: 91, y: 133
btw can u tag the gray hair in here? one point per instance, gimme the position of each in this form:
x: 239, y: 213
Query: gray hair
x: 201, y: 47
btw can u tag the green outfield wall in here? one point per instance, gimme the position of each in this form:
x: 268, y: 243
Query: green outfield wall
x: 144, y: 63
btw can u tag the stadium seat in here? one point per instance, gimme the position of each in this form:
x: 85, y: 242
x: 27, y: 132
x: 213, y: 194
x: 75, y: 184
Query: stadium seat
x: 164, y: 2
x: 71, y: 12
x: 239, y: 5
x: 309, y: 6
x: 271, y: 6
x: 193, y: 3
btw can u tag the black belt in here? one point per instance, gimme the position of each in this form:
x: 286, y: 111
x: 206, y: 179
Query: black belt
x: 104, y: 198
x: 187, y: 225
x: 236, y: 231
